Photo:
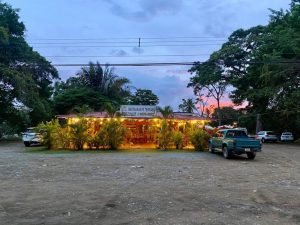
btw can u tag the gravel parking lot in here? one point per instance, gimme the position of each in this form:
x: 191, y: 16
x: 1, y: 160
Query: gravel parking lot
x: 149, y: 187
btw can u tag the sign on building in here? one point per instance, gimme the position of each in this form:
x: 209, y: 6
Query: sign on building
x: 138, y: 111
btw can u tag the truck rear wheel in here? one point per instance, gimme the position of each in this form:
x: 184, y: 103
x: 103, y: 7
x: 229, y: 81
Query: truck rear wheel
x: 251, y: 155
x: 27, y: 144
x: 227, y: 154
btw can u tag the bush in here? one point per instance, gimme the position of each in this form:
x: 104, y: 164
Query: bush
x: 165, y: 135
x: 78, y: 133
x: 199, y: 139
x: 50, y: 132
x: 63, y: 138
x: 178, y: 140
x: 112, y: 134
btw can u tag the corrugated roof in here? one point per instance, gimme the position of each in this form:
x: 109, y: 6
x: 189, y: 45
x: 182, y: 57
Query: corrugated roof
x: 176, y: 115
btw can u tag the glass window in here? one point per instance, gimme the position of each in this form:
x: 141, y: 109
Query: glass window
x: 240, y: 133
x: 230, y: 134
x: 221, y: 133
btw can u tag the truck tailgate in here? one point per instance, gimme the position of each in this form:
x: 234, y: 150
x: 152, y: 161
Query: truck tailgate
x: 248, y: 143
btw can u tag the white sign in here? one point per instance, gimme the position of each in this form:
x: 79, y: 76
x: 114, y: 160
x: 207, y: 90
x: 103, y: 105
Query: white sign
x: 138, y: 111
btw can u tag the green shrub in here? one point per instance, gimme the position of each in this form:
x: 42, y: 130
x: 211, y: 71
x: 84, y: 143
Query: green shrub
x: 50, y: 132
x: 165, y: 135
x: 78, y: 133
x: 95, y: 141
x: 199, y: 139
x: 63, y: 138
x: 178, y: 140
x: 112, y: 134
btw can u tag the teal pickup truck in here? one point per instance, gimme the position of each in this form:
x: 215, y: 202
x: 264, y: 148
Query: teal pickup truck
x: 234, y: 141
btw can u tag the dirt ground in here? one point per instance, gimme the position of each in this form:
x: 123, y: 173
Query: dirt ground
x: 149, y: 187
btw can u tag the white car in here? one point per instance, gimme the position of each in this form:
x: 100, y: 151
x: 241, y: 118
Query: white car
x: 266, y: 136
x: 286, y: 136
x: 30, y: 136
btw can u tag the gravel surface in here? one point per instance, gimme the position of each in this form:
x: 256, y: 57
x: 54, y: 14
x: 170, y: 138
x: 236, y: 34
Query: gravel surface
x: 149, y: 187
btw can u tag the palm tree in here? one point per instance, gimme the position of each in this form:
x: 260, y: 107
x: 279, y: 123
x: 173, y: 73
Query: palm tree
x: 166, y: 112
x: 110, y: 109
x: 104, y: 80
x: 187, y: 105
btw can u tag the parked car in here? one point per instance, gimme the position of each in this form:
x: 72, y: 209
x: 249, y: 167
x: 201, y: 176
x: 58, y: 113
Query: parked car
x: 287, y: 136
x: 266, y: 136
x: 30, y: 136
x: 234, y: 141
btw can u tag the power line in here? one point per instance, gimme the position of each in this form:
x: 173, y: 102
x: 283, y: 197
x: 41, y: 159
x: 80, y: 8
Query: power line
x: 145, y: 64
x: 168, y: 63
x: 129, y: 64
x: 120, y: 42
x: 125, y: 46
x: 127, y: 38
x: 116, y: 46
x: 121, y: 56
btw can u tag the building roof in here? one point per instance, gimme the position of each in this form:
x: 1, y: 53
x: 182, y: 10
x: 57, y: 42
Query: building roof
x: 176, y: 115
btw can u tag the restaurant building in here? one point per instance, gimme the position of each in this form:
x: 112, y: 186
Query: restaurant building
x: 143, y: 123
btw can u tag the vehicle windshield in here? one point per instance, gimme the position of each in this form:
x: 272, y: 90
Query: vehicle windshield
x: 236, y: 133
x: 30, y: 130
x: 287, y: 133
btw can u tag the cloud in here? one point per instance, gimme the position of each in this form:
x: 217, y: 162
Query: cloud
x: 119, y: 53
x: 137, y: 50
x: 145, y: 10
x: 169, y: 88
x: 178, y: 71
x: 94, y: 19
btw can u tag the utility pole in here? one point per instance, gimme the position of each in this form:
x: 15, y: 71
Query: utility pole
x: 258, y: 123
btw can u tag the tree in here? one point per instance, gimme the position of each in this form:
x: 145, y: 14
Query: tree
x: 94, y: 86
x: 187, y: 105
x: 70, y: 98
x: 209, y: 78
x: 261, y: 64
x: 228, y: 115
x: 202, y: 100
x: 104, y: 80
x: 25, y: 76
x: 166, y: 111
x: 143, y: 97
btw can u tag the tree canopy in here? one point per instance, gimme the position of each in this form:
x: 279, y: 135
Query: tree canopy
x: 208, y: 78
x: 262, y: 65
x: 166, y: 112
x: 229, y: 115
x: 143, y: 97
x: 94, y: 86
x: 187, y: 105
x: 25, y: 76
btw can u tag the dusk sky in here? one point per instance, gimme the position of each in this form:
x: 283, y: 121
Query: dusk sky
x: 64, y: 31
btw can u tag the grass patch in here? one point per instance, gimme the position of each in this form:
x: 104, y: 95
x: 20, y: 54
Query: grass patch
x: 44, y: 150
x: 10, y: 139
